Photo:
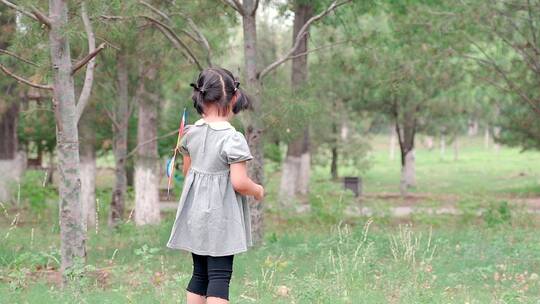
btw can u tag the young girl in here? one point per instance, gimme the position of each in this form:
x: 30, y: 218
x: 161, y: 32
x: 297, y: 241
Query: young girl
x: 212, y: 221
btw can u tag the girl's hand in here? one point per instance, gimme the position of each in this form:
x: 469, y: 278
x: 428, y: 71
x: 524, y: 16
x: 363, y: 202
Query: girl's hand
x: 260, y: 193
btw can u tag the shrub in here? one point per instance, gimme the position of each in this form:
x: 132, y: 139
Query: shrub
x: 498, y: 214
x: 34, y: 193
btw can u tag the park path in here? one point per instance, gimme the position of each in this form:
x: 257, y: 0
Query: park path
x: 529, y: 205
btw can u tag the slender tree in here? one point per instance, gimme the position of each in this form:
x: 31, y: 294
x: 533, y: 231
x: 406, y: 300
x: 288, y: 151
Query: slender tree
x: 254, y: 79
x: 67, y: 113
x: 10, y: 162
x: 297, y: 163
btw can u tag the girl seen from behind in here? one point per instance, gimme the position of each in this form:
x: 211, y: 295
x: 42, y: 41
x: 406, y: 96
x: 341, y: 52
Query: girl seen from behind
x: 212, y: 221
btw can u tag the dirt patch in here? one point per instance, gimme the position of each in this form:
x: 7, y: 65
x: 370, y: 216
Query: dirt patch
x: 54, y: 277
x: 411, y: 199
x: 531, y: 202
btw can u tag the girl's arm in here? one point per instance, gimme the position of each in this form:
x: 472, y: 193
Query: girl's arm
x: 242, y: 183
x: 186, y: 164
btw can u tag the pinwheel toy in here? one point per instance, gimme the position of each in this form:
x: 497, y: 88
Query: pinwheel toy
x: 171, y: 161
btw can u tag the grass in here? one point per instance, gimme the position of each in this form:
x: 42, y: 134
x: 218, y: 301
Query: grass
x: 318, y: 257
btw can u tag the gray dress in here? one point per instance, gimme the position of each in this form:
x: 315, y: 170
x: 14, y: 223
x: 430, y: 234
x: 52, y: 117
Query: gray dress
x: 212, y: 219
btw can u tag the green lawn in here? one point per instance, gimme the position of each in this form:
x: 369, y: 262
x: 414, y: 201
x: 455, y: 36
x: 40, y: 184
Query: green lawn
x: 478, y: 171
x: 321, y: 256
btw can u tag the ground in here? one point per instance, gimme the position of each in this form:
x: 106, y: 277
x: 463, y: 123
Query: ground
x: 487, y: 253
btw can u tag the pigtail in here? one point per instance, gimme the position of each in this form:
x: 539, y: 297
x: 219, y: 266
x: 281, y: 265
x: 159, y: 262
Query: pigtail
x: 218, y: 86
x: 243, y: 102
x: 198, y: 98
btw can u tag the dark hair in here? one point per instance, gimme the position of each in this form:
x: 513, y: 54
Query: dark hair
x: 218, y: 86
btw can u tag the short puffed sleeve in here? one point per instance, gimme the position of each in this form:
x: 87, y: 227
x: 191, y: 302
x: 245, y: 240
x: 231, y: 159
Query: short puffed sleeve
x: 183, y: 147
x: 236, y: 149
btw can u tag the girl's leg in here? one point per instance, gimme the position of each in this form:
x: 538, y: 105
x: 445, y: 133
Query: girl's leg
x: 196, y: 289
x: 219, y: 276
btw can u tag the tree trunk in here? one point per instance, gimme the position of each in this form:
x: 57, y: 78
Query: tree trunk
x: 296, y: 166
x: 72, y: 233
x: 8, y: 132
x: 429, y: 142
x: 496, y: 133
x: 12, y: 164
x: 456, y: 149
x: 146, y: 164
x: 486, y: 138
x: 50, y: 168
x: 442, y: 146
x: 406, y: 135
x: 120, y: 133
x: 392, y: 144
x: 88, y: 169
x: 334, y: 163
x: 251, y: 120
x: 408, y: 172
x: 473, y: 127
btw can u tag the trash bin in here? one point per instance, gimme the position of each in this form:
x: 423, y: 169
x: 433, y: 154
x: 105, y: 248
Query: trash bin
x: 353, y: 183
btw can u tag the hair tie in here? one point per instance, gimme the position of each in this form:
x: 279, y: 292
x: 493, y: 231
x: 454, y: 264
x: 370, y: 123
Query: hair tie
x: 196, y: 88
x: 236, y: 85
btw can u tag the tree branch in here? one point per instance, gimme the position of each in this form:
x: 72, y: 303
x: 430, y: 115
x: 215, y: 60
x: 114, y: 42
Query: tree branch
x: 531, y: 22
x: 203, y: 40
x: 24, y: 80
x: 511, y: 85
x: 167, y: 32
x: 41, y: 17
x: 303, y: 31
x: 200, y: 39
x: 34, y: 14
x: 87, y: 58
x: 169, y: 134
x: 155, y: 10
x: 255, y: 7
x: 18, y: 57
x: 235, y: 5
x: 173, y: 37
x: 89, y: 76
x: 112, y: 117
x: 19, y: 9
x: 328, y: 46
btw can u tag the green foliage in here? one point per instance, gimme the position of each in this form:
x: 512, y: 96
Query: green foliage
x: 33, y: 193
x: 146, y: 253
x: 37, y: 260
x: 36, y: 128
x: 497, y: 214
x: 272, y: 152
x: 329, y: 201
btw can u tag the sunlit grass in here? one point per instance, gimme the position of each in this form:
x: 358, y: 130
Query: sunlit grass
x: 323, y: 256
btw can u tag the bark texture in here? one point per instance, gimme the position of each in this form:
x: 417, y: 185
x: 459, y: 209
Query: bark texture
x: 296, y: 166
x: 120, y: 138
x: 8, y: 132
x: 72, y: 232
x: 334, y: 150
x: 88, y: 169
x: 251, y: 120
x: 146, y: 163
x: 486, y: 138
x: 392, y: 148
x: 406, y: 132
x: 442, y: 146
x: 12, y: 163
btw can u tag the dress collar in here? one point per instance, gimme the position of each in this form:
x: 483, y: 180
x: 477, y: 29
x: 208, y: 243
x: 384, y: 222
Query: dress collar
x: 216, y: 125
